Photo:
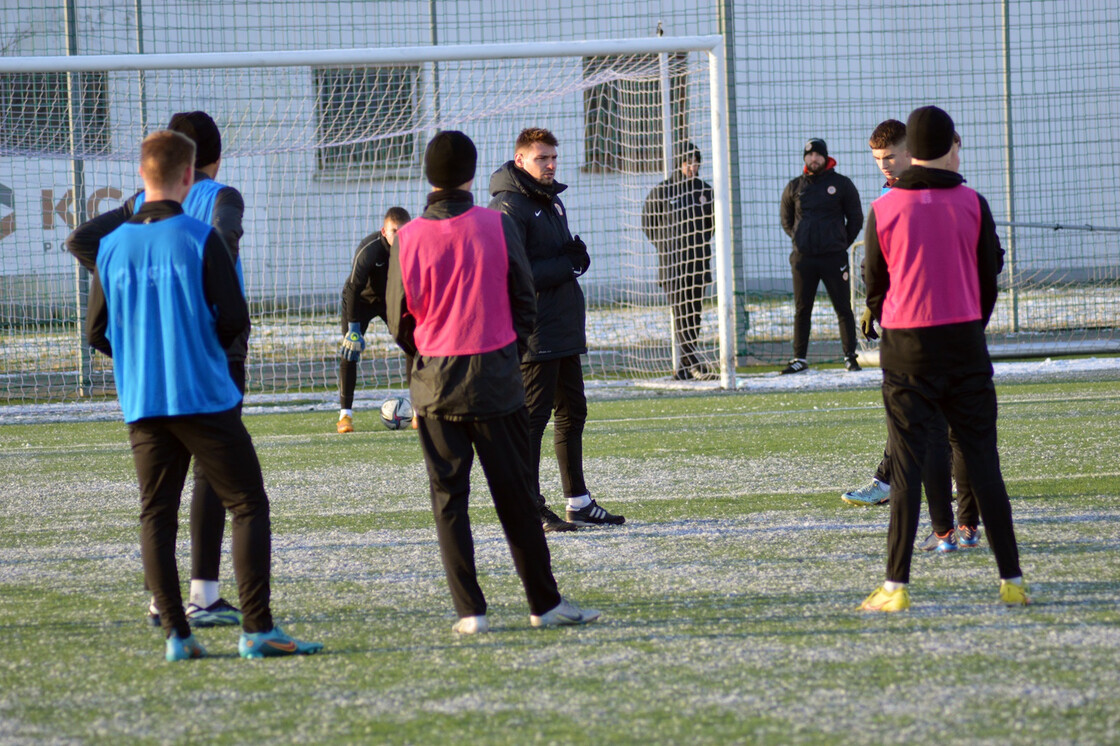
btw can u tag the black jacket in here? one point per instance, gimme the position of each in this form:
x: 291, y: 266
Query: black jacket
x: 678, y: 219
x: 949, y: 348
x: 821, y: 212
x: 465, y: 387
x: 229, y: 209
x: 542, y: 224
x: 363, y: 295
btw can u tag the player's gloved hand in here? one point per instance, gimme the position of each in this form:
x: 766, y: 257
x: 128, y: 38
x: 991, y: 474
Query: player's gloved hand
x: 353, y: 343
x: 576, y: 251
x: 867, y: 325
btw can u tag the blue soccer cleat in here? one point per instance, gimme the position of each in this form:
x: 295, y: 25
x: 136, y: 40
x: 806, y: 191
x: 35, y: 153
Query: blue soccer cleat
x: 183, y: 648
x: 221, y: 613
x: 274, y: 643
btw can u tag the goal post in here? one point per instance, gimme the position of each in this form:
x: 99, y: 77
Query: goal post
x: 321, y: 143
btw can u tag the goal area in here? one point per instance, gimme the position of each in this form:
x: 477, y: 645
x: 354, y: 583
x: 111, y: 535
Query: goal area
x: 322, y: 143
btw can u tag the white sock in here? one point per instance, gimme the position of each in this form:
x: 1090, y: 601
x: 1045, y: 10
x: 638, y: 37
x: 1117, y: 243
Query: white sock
x: 345, y: 413
x: 152, y: 606
x: 890, y: 585
x: 204, y: 592
x: 1016, y: 580
x: 884, y: 485
x: 580, y: 501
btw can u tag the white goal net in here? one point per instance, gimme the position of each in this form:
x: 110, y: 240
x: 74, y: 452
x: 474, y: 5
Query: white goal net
x: 321, y: 144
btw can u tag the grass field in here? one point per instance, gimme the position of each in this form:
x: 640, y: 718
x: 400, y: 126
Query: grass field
x: 728, y: 598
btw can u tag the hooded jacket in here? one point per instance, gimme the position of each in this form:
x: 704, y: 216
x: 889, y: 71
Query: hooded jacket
x: 542, y: 224
x: 821, y: 212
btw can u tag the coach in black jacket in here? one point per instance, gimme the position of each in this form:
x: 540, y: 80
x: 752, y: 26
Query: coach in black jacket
x: 526, y: 189
x: 821, y: 212
x: 678, y: 219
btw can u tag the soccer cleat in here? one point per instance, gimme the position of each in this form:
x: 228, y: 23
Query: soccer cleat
x: 851, y: 364
x: 940, y: 544
x: 553, y: 523
x: 471, y: 625
x: 183, y: 649
x: 796, y: 366
x: 346, y: 424
x: 563, y: 614
x: 593, y: 515
x: 968, y: 536
x: 274, y: 643
x: 221, y: 613
x: 883, y: 600
x: 875, y: 493
x: 1012, y: 594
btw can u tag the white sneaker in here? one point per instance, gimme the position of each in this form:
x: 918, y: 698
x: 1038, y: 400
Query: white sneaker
x: 471, y: 625
x: 875, y: 493
x: 565, y: 613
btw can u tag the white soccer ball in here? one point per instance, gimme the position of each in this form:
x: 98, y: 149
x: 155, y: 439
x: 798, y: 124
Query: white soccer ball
x: 396, y: 413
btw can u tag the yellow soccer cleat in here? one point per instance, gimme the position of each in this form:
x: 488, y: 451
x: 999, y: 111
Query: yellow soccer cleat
x: 1012, y: 594
x: 883, y: 600
x: 346, y: 424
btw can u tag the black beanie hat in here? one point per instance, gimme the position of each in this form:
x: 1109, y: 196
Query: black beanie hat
x: 688, y: 153
x: 198, y: 126
x: 449, y: 160
x: 816, y: 145
x: 929, y: 133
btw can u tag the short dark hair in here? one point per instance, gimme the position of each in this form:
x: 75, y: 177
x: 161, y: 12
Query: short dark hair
x: 165, y: 155
x: 531, y: 135
x: 887, y: 135
x: 200, y: 127
x: 397, y: 215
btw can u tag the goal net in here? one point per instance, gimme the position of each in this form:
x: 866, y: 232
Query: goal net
x: 321, y: 144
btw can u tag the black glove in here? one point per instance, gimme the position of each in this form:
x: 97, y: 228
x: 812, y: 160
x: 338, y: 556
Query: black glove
x: 576, y: 251
x: 867, y: 325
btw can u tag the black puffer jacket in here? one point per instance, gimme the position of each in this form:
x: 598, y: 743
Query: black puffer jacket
x: 678, y: 219
x: 542, y: 220
x: 821, y: 212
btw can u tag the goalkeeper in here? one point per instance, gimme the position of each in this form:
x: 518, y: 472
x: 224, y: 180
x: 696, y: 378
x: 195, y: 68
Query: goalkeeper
x: 363, y: 297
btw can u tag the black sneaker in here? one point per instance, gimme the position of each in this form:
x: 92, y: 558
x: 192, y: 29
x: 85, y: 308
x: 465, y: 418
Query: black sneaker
x: 553, y: 523
x: 796, y: 366
x: 851, y: 364
x: 593, y: 515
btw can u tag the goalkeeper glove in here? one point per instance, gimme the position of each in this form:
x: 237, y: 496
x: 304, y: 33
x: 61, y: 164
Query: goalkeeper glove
x: 867, y: 325
x: 576, y: 250
x: 353, y: 343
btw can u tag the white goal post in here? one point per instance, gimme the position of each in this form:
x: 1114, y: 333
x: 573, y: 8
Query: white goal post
x: 321, y: 143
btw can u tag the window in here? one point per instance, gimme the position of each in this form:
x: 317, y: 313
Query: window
x: 366, y: 118
x: 623, y: 121
x: 34, y: 113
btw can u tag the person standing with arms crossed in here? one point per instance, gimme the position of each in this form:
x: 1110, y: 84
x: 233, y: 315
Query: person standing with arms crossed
x: 460, y: 302
x: 222, y: 207
x: 526, y: 189
x: 677, y: 218
x: 931, y: 264
x: 821, y: 213
x: 363, y: 298
x: 165, y: 303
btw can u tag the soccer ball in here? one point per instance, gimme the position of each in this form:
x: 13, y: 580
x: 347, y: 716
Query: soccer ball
x: 396, y: 412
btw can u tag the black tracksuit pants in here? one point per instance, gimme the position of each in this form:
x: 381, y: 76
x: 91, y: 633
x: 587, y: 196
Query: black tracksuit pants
x: 686, y: 295
x: 208, y: 515
x: 502, y: 445
x: 968, y: 402
x: 162, y: 448
x: 942, y: 464
x: 557, y: 385
x: 809, y: 270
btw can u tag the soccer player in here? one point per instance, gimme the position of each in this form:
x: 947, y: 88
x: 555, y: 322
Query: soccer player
x: 932, y: 257
x: 165, y: 303
x: 526, y: 189
x: 363, y: 297
x: 677, y: 219
x: 222, y: 207
x: 460, y: 299
x: 821, y: 213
